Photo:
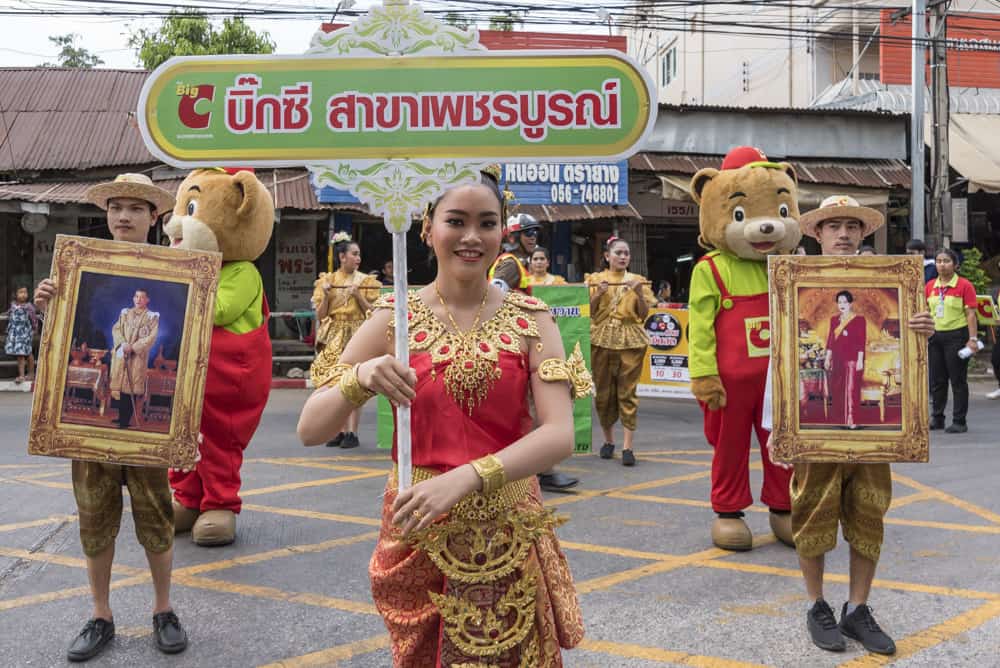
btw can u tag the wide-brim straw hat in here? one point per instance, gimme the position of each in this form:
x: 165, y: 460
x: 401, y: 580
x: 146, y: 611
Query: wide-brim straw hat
x: 840, y: 206
x: 135, y: 186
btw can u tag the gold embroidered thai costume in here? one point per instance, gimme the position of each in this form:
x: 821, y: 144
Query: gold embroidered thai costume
x: 486, y: 585
x: 547, y: 279
x: 344, y: 317
x: 617, y: 346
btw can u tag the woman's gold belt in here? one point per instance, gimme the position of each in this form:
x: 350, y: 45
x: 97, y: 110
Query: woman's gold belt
x: 476, y: 506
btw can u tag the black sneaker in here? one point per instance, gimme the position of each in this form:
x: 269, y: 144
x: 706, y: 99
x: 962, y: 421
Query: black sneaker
x: 956, y: 428
x: 96, y: 634
x: 628, y: 458
x: 335, y: 441
x: 607, y: 451
x: 861, y: 626
x: 169, y: 634
x: 937, y: 424
x: 350, y: 441
x: 556, y: 482
x: 823, y: 627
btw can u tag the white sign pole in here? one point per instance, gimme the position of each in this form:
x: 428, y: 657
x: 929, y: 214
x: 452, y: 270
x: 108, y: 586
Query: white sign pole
x: 404, y: 461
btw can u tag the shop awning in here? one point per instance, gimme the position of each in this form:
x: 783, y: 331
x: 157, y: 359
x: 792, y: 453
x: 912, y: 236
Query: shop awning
x: 974, y: 149
x: 675, y: 187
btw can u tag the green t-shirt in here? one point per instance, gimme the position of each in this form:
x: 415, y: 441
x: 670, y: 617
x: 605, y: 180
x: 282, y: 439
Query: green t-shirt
x: 239, y: 297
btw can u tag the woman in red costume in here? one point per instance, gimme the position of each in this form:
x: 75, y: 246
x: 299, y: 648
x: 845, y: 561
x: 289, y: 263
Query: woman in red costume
x: 845, y: 361
x: 467, y: 569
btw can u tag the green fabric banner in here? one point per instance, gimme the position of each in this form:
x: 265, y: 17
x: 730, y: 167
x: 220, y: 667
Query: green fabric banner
x: 570, y: 304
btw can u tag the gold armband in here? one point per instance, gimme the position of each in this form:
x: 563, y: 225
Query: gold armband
x: 351, y: 387
x: 490, y: 469
x: 573, y: 370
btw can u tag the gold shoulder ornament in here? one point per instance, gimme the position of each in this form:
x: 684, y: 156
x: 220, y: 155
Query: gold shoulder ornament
x: 573, y: 370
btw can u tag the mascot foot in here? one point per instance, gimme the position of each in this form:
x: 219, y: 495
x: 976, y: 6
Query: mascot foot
x: 781, y: 525
x: 184, y: 518
x: 215, y: 527
x: 730, y: 532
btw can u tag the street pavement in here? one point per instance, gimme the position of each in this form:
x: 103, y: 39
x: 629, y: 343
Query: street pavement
x: 293, y: 590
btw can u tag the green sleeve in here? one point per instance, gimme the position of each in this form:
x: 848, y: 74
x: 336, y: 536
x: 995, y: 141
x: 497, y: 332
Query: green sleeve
x: 703, y: 306
x: 239, y: 286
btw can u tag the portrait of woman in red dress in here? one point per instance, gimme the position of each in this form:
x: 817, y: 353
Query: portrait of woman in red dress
x: 845, y: 361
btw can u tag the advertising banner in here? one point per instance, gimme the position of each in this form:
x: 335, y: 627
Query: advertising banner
x: 665, y: 367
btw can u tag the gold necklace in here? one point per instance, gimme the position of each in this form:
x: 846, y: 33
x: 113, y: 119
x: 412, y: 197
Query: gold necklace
x: 470, y: 375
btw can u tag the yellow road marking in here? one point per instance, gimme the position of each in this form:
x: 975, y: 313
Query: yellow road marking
x: 670, y: 453
x: 54, y: 519
x: 311, y: 483
x: 289, y: 551
x: 274, y: 594
x: 843, y: 578
x: 663, y: 482
x: 901, y: 501
x: 662, y: 655
x: 317, y: 465
x: 63, y: 560
x: 950, y: 526
x: 313, y: 515
x: 932, y: 636
x: 62, y: 594
x: 6, y: 467
x: 948, y: 498
x: 675, y: 501
x: 608, y: 581
x: 674, y: 460
x: 326, y: 657
x: 134, y: 631
x: 42, y: 483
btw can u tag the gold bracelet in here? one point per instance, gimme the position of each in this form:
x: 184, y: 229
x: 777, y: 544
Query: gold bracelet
x: 490, y: 469
x: 352, y: 389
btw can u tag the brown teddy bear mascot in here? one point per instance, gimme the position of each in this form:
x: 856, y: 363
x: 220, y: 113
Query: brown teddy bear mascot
x: 233, y: 213
x: 749, y: 210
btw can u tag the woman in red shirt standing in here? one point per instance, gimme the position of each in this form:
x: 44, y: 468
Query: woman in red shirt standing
x: 952, y: 302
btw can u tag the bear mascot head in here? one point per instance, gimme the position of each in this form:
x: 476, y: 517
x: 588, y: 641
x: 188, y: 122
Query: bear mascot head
x: 232, y: 213
x: 750, y: 207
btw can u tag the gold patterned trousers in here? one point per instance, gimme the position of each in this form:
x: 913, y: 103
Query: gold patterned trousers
x: 616, y: 376
x: 857, y: 496
x: 473, y: 590
x: 98, y: 491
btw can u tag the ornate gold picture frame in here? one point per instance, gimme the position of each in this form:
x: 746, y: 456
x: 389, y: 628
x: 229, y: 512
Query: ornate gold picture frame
x: 124, y: 353
x: 849, y: 377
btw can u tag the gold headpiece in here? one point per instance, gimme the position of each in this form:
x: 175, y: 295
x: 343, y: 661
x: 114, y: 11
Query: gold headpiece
x: 493, y: 170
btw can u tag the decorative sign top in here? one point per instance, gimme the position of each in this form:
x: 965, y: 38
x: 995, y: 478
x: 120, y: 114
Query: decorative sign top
x: 270, y: 111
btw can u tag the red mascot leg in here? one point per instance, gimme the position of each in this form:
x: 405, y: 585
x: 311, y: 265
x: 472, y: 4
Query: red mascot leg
x: 728, y: 430
x: 187, y: 488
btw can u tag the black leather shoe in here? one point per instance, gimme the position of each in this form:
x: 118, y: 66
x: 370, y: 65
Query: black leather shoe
x: 823, y: 627
x: 937, y: 424
x: 169, y: 634
x: 95, y: 635
x: 350, y: 441
x: 628, y: 457
x: 607, y: 451
x: 335, y: 441
x: 956, y: 428
x: 556, y: 482
x: 861, y: 626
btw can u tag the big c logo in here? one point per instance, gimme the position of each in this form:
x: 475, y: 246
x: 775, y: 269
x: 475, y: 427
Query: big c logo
x: 758, y: 336
x: 186, y: 108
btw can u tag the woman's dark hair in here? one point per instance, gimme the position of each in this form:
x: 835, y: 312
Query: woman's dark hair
x: 540, y: 249
x: 609, y: 244
x: 340, y: 248
x: 950, y: 253
x: 661, y: 285
x: 846, y: 295
x: 486, y: 179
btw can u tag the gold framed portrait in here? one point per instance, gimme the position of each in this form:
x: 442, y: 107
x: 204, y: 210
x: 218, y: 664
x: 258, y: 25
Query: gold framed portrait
x: 124, y: 353
x: 849, y: 377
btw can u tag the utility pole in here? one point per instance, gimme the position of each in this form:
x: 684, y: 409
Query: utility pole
x: 939, y: 232
x: 917, y: 119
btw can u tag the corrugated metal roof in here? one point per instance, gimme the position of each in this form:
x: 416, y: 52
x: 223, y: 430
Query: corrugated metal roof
x: 873, y: 95
x: 804, y: 111
x: 289, y: 187
x: 63, y: 118
x: 860, y: 173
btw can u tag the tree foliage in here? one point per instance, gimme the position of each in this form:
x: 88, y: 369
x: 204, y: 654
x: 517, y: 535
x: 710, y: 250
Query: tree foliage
x: 72, y: 56
x: 190, y: 33
x: 456, y: 19
x: 508, y: 20
x: 972, y: 269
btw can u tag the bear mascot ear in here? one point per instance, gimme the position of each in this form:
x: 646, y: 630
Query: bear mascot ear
x: 250, y: 187
x: 790, y: 171
x: 700, y: 180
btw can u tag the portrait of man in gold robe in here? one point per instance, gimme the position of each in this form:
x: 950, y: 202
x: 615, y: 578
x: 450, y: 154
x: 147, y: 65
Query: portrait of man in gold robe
x: 133, y: 336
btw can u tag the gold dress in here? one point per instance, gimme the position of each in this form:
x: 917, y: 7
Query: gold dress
x: 344, y: 317
x: 487, y: 584
x: 617, y: 346
x: 547, y: 279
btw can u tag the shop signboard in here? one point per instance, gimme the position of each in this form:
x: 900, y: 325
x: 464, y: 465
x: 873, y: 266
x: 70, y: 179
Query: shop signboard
x: 665, y: 370
x: 296, y: 264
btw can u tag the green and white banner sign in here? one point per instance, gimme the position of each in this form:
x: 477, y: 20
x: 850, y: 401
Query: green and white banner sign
x: 275, y: 110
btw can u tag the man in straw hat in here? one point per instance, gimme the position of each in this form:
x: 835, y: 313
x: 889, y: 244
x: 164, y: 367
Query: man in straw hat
x: 133, y: 204
x: 855, y: 495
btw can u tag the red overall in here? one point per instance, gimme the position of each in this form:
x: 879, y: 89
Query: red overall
x: 236, y: 390
x: 728, y: 429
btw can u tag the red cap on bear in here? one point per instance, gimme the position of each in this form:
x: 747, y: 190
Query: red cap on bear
x: 234, y: 170
x: 741, y: 156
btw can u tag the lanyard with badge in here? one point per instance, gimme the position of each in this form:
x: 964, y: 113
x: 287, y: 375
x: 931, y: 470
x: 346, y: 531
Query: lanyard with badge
x: 940, y: 305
